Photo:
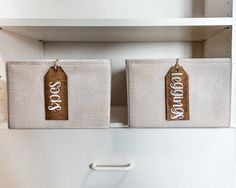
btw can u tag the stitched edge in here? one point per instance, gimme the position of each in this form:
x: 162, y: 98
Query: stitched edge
x: 230, y: 93
x: 64, y: 62
x: 184, y: 60
x: 128, y: 90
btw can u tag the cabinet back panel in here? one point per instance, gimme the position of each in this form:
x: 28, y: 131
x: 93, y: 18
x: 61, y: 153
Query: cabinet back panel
x: 101, y: 8
x: 114, y: 9
x: 118, y: 52
x: 124, y: 8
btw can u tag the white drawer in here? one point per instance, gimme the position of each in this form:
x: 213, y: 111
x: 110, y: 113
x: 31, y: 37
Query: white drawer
x: 164, y: 158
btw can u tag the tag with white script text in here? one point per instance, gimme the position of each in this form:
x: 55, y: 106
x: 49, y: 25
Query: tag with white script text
x: 56, y: 94
x: 177, y: 94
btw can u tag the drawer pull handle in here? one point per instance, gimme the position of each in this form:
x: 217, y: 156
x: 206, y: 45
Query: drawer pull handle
x: 101, y: 167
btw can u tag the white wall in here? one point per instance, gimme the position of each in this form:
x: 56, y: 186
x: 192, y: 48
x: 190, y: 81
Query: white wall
x: 100, y: 8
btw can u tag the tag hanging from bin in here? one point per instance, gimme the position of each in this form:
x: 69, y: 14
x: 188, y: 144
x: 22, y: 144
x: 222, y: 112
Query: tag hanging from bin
x: 56, y: 93
x: 177, y: 93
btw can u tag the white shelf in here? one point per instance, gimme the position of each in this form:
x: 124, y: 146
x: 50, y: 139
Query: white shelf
x: 166, y: 29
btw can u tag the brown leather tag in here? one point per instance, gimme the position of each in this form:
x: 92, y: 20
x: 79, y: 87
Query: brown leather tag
x: 56, y: 94
x: 177, y: 94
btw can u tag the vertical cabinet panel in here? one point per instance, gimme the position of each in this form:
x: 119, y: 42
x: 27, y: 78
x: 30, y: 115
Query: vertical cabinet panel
x: 218, y: 8
x: 14, y: 47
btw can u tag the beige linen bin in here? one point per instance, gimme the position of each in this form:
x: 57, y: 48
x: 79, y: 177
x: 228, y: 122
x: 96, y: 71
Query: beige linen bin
x: 209, y: 92
x: 89, y: 85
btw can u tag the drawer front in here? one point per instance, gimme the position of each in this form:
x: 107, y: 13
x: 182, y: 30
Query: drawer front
x: 163, y: 158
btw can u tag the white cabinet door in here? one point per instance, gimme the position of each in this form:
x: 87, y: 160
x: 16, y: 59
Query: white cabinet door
x: 164, y: 158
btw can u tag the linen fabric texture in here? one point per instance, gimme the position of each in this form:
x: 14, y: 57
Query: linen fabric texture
x: 209, y: 92
x: 89, y: 93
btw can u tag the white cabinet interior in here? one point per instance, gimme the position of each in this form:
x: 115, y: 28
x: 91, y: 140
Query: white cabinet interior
x: 118, y: 30
x: 112, y: 9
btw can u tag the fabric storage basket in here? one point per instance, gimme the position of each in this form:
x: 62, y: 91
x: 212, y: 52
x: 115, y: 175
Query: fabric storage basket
x: 89, y: 85
x: 209, y: 92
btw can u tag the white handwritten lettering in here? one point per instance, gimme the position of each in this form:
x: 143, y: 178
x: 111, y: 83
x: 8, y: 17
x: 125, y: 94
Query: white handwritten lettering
x: 177, y: 96
x: 55, y: 98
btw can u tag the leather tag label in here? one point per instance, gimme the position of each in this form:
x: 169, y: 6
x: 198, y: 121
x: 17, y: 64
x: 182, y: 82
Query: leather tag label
x: 56, y: 94
x: 177, y: 94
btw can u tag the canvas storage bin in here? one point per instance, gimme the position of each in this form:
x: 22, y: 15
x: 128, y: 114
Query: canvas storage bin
x: 89, y: 88
x: 209, y: 92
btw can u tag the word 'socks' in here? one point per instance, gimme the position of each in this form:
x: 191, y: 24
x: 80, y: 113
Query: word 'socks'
x: 177, y: 94
x: 56, y: 94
